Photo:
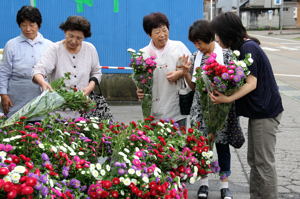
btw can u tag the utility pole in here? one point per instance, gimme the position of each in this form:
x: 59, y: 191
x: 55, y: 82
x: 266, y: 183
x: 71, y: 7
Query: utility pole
x: 211, y: 9
x: 281, y: 16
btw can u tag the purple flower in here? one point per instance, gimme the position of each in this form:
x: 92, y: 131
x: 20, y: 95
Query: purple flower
x: 43, y: 179
x: 117, y: 164
x: 38, y: 186
x: 44, y: 191
x: 217, y: 79
x: 83, y: 188
x: 121, y: 171
x: 45, y: 157
x: 225, y: 76
x: 237, y: 78
x: 65, y: 173
x: 75, y: 183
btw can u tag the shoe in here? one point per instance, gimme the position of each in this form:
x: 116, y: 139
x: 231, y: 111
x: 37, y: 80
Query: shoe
x: 226, y: 193
x: 203, y: 192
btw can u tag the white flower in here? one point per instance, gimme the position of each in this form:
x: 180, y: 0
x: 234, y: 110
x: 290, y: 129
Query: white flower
x: 169, y: 130
x: 127, y: 160
x: 134, y: 181
x: 160, y: 124
x: 135, y: 157
x: 250, y: 60
x: 236, y: 53
x: 126, y: 150
x: 207, y: 162
x: 19, y: 169
x: 68, y: 134
x: 86, y: 129
x: 122, y: 154
x: 72, y: 153
x: 63, y: 149
x: 138, y: 173
x: 82, y: 122
x: 95, y: 173
x: 82, y: 172
x: 136, y: 149
x: 7, y: 179
x: 107, y: 168
x: 98, y: 166
x: 95, y: 126
x: 80, y: 153
x: 79, y: 124
x: 92, y: 166
x: 131, y: 171
x: 15, y: 177
x: 126, y: 182
x: 192, y: 180
x: 102, y: 172
x: 54, y: 149
x: 210, y: 154
x: 6, y: 140
x: 51, y: 183
x: 3, y: 154
x: 131, y: 50
x: 122, y: 192
x: 41, y: 146
x: 145, y: 179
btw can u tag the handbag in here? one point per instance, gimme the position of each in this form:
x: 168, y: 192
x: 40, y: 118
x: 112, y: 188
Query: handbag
x: 102, y: 110
x: 233, y: 130
x: 186, y: 96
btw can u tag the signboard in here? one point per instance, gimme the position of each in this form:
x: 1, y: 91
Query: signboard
x: 277, y: 2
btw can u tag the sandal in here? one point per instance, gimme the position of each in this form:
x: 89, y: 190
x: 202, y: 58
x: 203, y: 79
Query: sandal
x: 203, y: 192
x: 226, y: 193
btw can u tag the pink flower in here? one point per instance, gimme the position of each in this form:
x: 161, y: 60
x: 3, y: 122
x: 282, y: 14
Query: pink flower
x: 136, y: 162
x: 79, y: 119
x: 139, y: 154
x: 230, y: 72
x: 140, y: 133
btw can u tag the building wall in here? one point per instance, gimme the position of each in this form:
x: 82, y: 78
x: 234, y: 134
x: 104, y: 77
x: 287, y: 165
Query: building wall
x: 115, y: 26
x: 260, y: 19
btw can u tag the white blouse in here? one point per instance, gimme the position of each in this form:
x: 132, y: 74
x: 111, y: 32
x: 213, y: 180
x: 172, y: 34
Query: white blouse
x: 165, y: 98
x: 58, y: 60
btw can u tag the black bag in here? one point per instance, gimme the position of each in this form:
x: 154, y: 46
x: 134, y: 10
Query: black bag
x: 185, y: 102
x: 102, y: 110
x: 233, y: 130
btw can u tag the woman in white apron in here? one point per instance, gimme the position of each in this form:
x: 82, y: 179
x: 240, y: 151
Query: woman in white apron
x: 20, y: 55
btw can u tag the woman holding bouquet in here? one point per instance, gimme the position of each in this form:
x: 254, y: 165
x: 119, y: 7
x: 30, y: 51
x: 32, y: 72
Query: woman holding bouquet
x: 20, y: 55
x: 201, y: 34
x: 72, y: 55
x: 165, y: 98
x: 258, y: 99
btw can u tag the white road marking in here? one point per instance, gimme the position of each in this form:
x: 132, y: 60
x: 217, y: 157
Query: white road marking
x: 288, y: 48
x: 270, y: 49
x: 286, y: 75
x: 275, y: 38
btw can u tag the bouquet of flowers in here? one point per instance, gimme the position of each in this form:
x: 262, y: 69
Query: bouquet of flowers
x: 223, y: 78
x: 143, y: 69
x: 49, y: 101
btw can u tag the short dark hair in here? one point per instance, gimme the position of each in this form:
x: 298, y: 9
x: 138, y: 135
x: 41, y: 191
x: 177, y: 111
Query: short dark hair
x: 201, y: 30
x: 77, y: 23
x: 29, y: 13
x: 229, y: 27
x: 154, y: 20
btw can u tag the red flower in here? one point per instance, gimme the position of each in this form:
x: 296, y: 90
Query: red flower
x: 4, y: 171
x: 106, y: 184
x: 12, y: 194
x: 27, y: 190
x: 23, y: 118
x: 116, y: 181
x: 114, y: 194
x: 31, y: 181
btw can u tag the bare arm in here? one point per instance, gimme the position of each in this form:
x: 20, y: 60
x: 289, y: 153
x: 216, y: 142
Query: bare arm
x: 40, y: 80
x: 250, y: 85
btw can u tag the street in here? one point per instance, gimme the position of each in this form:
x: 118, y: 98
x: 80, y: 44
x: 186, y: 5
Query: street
x: 284, y: 54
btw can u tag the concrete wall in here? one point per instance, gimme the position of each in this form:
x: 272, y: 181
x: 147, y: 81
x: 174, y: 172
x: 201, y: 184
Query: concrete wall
x: 260, y: 19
